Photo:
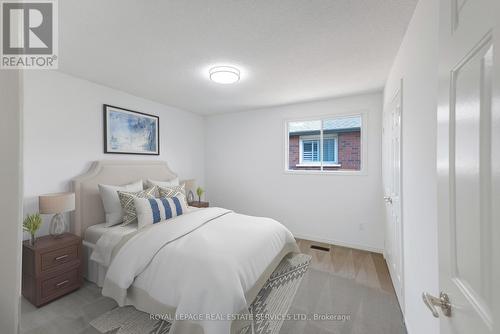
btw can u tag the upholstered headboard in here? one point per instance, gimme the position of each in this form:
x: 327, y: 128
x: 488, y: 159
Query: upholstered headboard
x: 89, y: 209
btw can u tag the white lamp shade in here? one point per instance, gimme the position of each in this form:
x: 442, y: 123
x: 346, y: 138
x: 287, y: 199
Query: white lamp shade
x: 56, y: 203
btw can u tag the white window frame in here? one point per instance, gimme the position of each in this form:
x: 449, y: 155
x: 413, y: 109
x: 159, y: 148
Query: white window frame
x: 320, y: 139
x: 364, y: 146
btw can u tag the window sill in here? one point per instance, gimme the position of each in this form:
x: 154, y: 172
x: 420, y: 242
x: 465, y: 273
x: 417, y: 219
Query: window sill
x: 317, y: 165
x: 326, y: 172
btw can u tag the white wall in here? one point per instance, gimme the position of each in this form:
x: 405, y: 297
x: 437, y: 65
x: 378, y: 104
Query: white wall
x: 63, y: 133
x: 10, y: 199
x: 245, y: 172
x: 417, y: 64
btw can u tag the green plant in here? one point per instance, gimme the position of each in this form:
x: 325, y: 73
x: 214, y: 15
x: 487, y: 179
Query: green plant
x: 31, y: 224
x: 199, y: 192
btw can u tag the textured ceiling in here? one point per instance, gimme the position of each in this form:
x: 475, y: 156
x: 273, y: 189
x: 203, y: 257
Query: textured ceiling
x: 288, y: 50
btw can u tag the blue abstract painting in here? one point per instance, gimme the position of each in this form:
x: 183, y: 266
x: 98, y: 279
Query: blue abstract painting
x: 130, y: 132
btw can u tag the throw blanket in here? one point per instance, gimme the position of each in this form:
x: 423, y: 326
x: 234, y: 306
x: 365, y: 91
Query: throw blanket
x: 201, y: 267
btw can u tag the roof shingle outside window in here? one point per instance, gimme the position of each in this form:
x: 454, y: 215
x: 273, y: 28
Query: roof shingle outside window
x: 343, y: 123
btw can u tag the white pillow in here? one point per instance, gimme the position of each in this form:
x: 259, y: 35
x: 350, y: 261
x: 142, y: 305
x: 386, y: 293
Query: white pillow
x: 170, y: 183
x: 154, y: 210
x: 111, y: 200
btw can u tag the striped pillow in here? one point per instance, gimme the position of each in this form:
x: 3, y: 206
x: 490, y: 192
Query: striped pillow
x: 154, y: 210
x: 127, y: 202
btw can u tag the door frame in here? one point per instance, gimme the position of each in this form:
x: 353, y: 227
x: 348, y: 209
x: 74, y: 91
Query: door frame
x: 394, y: 95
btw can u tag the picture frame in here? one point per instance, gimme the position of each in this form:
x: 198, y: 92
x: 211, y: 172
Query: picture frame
x: 130, y: 132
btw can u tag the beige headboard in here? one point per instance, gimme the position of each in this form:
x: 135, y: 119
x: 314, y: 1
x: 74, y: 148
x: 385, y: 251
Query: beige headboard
x: 89, y: 209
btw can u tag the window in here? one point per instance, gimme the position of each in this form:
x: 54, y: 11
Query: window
x: 310, y: 150
x: 325, y: 145
x: 310, y: 147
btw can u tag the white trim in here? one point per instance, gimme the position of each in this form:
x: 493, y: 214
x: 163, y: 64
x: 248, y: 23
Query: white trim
x: 318, y: 165
x: 326, y: 172
x: 338, y: 243
x: 401, y: 214
x: 397, y: 92
x: 364, y: 145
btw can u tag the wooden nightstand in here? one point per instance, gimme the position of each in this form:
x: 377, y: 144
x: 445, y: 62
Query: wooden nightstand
x: 198, y: 204
x: 51, y: 268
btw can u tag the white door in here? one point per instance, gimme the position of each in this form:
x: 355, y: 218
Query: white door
x: 392, y: 193
x: 468, y: 166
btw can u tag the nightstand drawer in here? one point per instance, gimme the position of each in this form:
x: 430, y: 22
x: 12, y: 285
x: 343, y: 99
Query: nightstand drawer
x: 52, y: 267
x: 57, y: 257
x: 59, y: 285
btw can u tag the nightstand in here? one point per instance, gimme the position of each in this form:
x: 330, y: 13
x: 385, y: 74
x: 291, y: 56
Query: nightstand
x: 51, y: 268
x: 198, y: 204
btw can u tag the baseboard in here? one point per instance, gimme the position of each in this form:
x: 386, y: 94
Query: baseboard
x: 338, y: 243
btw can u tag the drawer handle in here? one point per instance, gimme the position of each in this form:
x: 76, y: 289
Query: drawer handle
x: 58, y: 285
x: 62, y: 257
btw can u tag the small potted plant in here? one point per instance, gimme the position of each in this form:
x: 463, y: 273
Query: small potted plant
x: 31, y: 224
x: 200, y: 192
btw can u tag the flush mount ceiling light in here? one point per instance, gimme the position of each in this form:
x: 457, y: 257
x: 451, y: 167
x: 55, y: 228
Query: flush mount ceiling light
x: 224, y: 74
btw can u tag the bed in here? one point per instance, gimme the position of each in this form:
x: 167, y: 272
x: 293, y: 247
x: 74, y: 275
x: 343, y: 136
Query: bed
x: 94, y: 270
x: 200, y: 270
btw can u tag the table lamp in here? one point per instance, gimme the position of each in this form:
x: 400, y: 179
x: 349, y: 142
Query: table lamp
x: 190, y: 185
x: 56, y: 204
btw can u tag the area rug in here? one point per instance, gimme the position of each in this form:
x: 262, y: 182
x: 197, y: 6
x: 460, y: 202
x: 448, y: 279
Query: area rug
x: 274, y: 298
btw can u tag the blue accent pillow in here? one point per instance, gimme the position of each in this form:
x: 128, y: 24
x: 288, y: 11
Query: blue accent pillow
x: 154, y: 210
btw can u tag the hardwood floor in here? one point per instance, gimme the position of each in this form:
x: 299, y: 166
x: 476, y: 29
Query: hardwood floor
x: 345, y: 282
x: 365, y: 268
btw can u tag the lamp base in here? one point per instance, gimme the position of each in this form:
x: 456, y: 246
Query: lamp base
x: 57, y: 226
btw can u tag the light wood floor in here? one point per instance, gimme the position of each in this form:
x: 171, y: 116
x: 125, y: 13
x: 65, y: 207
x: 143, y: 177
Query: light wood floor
x: 340, y: 281
x: 365, y: 268
x: 345, y: 281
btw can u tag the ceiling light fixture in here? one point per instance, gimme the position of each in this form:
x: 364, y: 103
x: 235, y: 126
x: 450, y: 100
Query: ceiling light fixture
x: 224, y: 74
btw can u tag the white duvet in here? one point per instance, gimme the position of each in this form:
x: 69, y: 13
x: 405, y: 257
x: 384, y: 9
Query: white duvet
x: 202, y: 263
x: 107, y: 242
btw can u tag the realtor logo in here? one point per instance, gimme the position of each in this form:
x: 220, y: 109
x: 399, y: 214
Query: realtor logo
x: 29, y: 34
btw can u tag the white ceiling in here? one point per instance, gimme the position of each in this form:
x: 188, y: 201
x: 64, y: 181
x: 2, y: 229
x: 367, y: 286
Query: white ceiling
x: 288, y: 50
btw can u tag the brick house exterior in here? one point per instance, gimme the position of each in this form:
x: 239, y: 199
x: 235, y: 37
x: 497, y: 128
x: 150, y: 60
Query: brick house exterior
x: 293, y: 152
x: 349, y: 151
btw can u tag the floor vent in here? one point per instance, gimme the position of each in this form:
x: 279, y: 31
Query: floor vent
x: 324, y: 249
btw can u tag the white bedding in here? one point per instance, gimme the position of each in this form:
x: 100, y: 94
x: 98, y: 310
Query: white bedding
x: 106, y: 238
x: 109, y: 238
x: 205, y: 262
x: 95, y: 232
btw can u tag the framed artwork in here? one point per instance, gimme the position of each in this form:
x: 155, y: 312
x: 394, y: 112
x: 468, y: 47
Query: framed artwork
x: 130, y: 132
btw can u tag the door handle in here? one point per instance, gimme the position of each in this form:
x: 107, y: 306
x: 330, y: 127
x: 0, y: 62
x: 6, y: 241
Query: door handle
x: 443, y: 302
x: 388, y: 199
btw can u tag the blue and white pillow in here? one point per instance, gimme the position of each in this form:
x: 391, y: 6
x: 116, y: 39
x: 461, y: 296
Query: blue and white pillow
x: 154, y: 210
